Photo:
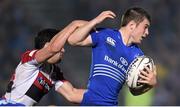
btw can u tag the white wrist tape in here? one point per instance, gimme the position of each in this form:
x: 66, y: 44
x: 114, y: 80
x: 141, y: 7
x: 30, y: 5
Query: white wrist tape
x: 58, y: 84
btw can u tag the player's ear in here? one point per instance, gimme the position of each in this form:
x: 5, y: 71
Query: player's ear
x: 132, y: 25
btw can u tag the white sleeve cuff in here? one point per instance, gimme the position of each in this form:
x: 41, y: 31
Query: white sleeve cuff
x: 58, y: 84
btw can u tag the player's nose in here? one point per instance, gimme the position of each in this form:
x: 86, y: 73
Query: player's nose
x: 147, y: 32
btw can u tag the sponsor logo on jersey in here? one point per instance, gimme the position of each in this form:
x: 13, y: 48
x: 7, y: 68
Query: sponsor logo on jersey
x: 110, y: 41
x: 115, y: 63
x: 123, y: 61
x: 43, y: 83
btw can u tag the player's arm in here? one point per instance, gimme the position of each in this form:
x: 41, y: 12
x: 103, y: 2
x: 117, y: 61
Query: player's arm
x: 149, y: 78
x: 81, y: 36
x: 56, y: 43
x: 70, y: 93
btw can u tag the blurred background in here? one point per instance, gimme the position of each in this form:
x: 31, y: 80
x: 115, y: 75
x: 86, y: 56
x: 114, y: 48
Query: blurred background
x: 20, y: 20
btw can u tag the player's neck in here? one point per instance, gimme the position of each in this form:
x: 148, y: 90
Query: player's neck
x: 125, y: 36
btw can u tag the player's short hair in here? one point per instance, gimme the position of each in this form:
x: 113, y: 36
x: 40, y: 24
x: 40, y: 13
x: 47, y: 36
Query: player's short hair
x: 43, y: 37
x: 136, y: 14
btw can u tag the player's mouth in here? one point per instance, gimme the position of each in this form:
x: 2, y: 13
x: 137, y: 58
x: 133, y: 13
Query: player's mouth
x: 142, y: 38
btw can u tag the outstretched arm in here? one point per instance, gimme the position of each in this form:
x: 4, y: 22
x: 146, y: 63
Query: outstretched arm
x: 81, y: 36
x: 70, y: 93
x: 56, y: 43
x: 148, y: 78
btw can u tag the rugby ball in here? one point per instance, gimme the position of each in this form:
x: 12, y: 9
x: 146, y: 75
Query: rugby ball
x: 134, y: 68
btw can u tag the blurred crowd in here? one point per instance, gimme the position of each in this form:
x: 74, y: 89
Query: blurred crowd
x: 20, y: 20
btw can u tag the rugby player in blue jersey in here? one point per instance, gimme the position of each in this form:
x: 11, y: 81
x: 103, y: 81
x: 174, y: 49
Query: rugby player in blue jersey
x: 112, y: 52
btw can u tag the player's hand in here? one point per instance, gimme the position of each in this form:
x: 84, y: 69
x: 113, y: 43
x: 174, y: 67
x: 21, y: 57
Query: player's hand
x: 104, y: 15
x: 148, y: 77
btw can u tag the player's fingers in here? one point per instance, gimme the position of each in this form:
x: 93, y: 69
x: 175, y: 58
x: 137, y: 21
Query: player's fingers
x: 110, y: 13
x: 147, y: 69
x: 143, y: 77
x: 143, y: 81
x: 143, y: 73
x: 111, y: 17
x: 108, y: 16
x: 104, y: 15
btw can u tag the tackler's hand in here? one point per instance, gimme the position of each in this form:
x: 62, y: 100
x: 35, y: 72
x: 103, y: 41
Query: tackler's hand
x: 104, y: 15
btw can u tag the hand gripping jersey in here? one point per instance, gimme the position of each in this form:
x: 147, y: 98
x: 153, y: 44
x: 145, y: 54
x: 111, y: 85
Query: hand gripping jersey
x: 110, y: 60
x: 32, y: 81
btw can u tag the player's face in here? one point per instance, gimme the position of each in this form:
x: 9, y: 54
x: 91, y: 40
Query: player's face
x: 141, y: 31
x: 57, y: 57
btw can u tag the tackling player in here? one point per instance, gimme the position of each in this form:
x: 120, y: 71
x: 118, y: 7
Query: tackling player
x: 37, y: 71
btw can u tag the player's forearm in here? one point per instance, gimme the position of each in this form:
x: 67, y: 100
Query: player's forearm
x: 81, y: 33
x: 57, y: 43
x: 76, y: 96
x: 70, y: 93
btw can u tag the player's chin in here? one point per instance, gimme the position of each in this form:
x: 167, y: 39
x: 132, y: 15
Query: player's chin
x: 138, y: 42
x: 55, y: 62
x: 61, y: 55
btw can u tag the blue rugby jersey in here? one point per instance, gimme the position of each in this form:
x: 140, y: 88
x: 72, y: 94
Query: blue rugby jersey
x: 110, y: 60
